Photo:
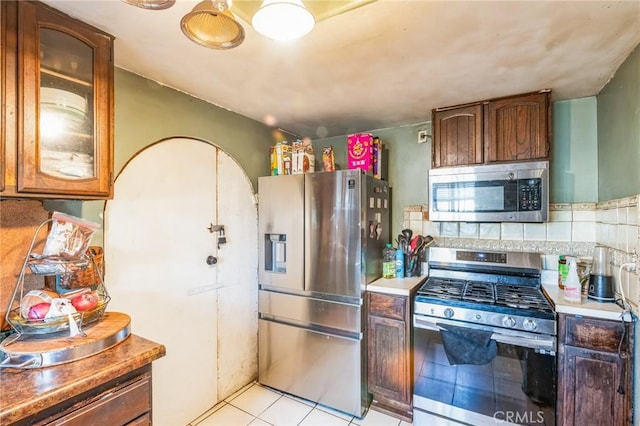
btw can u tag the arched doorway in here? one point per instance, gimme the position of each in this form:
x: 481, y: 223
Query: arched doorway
x: 157, y: 241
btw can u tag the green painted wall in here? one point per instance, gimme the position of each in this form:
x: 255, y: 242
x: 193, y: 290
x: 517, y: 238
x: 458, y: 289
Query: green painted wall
x: 146, y: 112
x: 574, y: 151
x: 619, y: 154
x: 619, y: 132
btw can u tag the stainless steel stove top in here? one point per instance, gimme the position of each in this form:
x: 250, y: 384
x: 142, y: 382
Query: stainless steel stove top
x: 496, y: 289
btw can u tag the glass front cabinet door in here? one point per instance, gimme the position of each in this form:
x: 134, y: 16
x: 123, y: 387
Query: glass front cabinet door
x: 64, y: 143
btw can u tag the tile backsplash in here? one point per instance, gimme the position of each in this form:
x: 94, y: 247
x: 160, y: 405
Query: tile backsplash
x: 572, y: 229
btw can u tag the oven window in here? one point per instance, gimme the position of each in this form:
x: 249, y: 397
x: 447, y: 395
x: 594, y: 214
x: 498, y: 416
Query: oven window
x: 484, y: 196
x: 517, y: 386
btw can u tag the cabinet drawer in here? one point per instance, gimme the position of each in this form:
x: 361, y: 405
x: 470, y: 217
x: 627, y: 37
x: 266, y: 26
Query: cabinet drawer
x: 144, y: 420
x: 591, y: 333
x: 120, y: 405
x: 384, y: 305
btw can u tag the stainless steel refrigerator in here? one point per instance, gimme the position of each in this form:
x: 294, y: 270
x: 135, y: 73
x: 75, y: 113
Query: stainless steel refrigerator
x: 321, y: 237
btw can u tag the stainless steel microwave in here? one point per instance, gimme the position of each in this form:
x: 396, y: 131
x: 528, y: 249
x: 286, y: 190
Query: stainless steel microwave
x: 507, y: 192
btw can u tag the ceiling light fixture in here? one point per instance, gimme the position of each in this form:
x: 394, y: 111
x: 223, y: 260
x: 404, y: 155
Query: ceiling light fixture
x: 283, y: 19
x: 151, y: 4
x: 211, y: 24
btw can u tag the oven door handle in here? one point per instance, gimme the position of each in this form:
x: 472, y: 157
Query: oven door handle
x: 544, y: 344
x: 541, y: 344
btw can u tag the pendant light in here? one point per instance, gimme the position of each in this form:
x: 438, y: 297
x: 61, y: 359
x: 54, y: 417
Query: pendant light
x: 211, y: 24
x: 151, y: 4
x: 283, y: 19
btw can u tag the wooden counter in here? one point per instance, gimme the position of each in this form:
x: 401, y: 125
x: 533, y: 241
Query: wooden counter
x: 43, y: 391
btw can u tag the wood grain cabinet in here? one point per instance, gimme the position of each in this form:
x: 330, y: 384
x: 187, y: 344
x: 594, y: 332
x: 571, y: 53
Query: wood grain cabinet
x: 124, y: 401
x: 595, y: 383
x: 514, y: 128
x: 457, y: 136
x: 390, y: 369
x: 57, y: 105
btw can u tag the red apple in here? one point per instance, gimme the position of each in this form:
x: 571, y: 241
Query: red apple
x: 85, y: 302
x: 39, y: 311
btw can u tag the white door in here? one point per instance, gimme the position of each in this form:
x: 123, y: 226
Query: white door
x: 156, y: 249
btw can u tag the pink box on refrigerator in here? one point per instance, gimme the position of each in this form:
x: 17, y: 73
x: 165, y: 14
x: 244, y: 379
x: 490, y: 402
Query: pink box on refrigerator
x: 360, y: 151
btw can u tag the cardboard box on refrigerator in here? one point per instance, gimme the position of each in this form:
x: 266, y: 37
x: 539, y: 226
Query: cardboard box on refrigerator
x: 377, y: 158
x: 360, y: 151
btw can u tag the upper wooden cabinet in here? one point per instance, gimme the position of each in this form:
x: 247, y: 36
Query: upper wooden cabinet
x: 513, y: 128
x: 457, y: 136
x: 57, y: 93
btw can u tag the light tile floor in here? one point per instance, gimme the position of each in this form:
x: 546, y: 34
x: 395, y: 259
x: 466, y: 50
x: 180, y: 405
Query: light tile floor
x: 258, y: 405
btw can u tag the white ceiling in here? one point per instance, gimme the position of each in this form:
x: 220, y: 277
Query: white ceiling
x: 385, y: 64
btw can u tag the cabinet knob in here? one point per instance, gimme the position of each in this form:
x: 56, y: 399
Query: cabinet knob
x: 212, y: 260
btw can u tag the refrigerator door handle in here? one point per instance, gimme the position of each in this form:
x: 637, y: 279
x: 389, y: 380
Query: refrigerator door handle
x: 324, y: 331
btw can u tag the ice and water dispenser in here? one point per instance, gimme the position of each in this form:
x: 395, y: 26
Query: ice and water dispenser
x: 275, y: 252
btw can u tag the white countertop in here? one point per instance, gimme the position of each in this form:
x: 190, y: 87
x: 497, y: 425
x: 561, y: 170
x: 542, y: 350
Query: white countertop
x: 587, y: 307
x: 397, y: 286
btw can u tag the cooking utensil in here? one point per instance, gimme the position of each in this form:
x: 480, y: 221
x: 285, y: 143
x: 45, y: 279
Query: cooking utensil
x: 403, y: 243
x: 408, y: 233
x: 416, y: 243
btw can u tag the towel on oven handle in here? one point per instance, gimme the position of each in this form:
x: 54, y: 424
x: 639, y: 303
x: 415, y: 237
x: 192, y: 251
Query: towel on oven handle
x: 466, y: 345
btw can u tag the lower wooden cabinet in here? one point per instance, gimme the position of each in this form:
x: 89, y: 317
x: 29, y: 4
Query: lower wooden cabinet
x: 595, y: 382
x: 390, y: 369
x: 124, y: 401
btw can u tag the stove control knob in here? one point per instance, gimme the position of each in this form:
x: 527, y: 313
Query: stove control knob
x: 448, y: 312
x: 508, y: 322
x: 529, y: 325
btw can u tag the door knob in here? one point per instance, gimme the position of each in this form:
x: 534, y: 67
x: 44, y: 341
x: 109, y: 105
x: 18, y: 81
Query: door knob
x: 212, y: 260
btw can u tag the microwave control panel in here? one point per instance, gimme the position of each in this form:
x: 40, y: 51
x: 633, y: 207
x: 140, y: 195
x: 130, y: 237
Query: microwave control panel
x: 529, y: 194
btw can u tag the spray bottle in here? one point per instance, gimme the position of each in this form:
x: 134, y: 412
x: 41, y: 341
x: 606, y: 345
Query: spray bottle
x: 572, y: 287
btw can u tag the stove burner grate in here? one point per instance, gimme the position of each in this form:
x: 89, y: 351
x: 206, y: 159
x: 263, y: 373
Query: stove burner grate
x: 486, y: 293
x: 520, y: 297
x: 477, y: 291
x: 443, y: 288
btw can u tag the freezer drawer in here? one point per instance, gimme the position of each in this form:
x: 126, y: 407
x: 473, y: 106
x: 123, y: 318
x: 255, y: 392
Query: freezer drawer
x: 344, y: 318
x: 320, y: 367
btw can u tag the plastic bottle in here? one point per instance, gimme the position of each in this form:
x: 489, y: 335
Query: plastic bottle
x: 399, y: 263
x: 572, y: 287
x: 388, y: 262
x: 563, y: 270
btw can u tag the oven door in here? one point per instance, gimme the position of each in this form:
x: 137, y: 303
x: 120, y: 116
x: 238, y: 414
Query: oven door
x: 517, y: 387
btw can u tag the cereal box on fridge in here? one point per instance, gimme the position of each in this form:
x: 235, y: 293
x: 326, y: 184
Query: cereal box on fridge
x: 360, y: 151
x: 308, y: 159
x: 280, y: 159
x: 328, y: 161
x: 377, y: 158
x: 296, y: 157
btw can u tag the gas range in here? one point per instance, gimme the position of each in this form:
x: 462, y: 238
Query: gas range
x: 482, y: 325
x: 496, y: 289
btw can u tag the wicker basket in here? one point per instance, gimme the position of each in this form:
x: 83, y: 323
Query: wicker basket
x: 86, y: 277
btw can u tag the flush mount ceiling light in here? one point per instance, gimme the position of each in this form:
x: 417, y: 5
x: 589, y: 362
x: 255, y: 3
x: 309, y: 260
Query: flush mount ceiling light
x: 211, y: 24
x: 283, y: 19
x: 151, y: 4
